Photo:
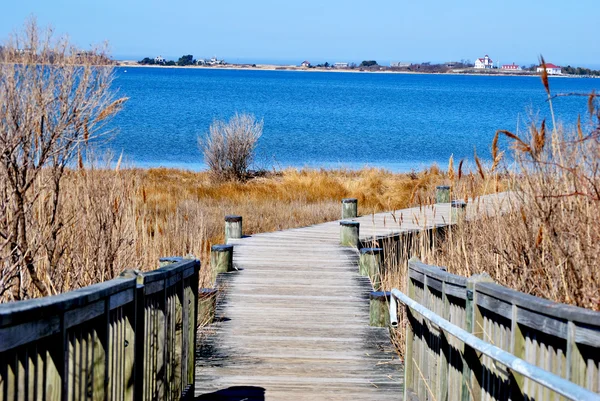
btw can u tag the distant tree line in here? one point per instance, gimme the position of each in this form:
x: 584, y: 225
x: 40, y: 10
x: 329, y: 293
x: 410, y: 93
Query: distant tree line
x: 580, y: 71
x: 184, y: 60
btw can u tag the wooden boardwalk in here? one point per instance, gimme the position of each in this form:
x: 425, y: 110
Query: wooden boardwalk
x: 293, y: 322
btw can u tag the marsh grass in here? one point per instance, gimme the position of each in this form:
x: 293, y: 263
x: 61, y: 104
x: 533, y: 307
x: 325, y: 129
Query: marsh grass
x: 543, y: 239
x: 117, y: 218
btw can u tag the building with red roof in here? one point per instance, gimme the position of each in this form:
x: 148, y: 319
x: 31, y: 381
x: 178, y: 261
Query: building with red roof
x: 511, y: 67
x: 551, y: 69
x: 484, y: 63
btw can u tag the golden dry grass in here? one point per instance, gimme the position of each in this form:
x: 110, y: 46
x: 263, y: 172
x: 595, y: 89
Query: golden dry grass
x: 291, y: 198
x: 129, y: 218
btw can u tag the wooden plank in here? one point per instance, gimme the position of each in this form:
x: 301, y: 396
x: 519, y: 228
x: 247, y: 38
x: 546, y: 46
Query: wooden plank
x: 304, y: 315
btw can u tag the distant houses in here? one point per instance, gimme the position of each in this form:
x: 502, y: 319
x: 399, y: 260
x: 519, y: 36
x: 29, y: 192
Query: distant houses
x: 551, y: 69
x: 212, y: 61
x: 305, y: 64
x: 340, y: 65
x: 511, y: 67
x: 398, y: 64
x: 484, y: 63
x: 159, y: 60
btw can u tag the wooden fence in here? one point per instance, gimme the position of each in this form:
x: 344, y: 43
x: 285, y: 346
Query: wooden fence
x: 561, y: 339
x: 130, y: 338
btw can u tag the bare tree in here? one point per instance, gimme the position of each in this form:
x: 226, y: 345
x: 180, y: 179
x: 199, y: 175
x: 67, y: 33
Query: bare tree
x: 229, y: 146
x: 54, y: 100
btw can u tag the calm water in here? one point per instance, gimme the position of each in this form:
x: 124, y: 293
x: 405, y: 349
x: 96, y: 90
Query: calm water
x: 317, y: 119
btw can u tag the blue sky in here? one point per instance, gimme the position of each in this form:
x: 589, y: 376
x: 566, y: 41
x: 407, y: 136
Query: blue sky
x: 326, y: 30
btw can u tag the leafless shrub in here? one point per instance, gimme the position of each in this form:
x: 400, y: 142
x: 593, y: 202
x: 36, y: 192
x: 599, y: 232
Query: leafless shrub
x: 229, y: 147
x: 54, y: 99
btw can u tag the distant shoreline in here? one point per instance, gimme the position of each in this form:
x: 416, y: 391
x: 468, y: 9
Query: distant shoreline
x: 357, y: 70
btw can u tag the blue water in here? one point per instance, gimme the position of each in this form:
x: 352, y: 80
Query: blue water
x: 321, y: 119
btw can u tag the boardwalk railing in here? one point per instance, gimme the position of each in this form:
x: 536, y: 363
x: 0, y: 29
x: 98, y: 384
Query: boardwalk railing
x: 473, y: 339
x: 130, y: 338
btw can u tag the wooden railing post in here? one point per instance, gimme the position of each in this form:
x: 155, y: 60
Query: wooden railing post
x: 458, y: 212
x: 221, y: 258
x: 442, y: 194
x: 379, y: 311
x: 369, y: 265
x: 349, y: 208
x: 472, y: 368
x: 207, y: 304
x: 349, y: 233
x: 233, y: 227
x: 425, y: 354
x: 576, y: 364
x: 409, y: 382
x: 442, y: 373
x: 517, y: 348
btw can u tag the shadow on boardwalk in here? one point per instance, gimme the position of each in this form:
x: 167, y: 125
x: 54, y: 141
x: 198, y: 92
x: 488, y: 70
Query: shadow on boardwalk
x: 236, y: 393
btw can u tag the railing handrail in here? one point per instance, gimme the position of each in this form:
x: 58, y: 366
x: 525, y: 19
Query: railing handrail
x: 18, y: 312
x: 547, y: 379
x: 140, y: 325
x: 555, y: 309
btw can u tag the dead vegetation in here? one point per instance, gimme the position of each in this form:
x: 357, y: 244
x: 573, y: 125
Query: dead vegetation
x: 549, y: 245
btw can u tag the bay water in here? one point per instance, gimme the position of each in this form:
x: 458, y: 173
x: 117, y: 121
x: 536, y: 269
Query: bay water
x: 332, y: 120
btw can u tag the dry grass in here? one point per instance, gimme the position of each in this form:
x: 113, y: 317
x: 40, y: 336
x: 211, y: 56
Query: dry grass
x: 129, y: 218
x: 548, y: 243
x: 291, y: 198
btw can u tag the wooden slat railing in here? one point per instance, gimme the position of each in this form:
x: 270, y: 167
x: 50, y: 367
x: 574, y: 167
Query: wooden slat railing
x: 560, y: 339
x: 131, y: 338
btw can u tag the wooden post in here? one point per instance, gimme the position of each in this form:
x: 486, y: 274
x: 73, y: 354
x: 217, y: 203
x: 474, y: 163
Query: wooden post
x: 207, y: 304
x: 233, y: 227
x: 517, y: 348
x: 472, y: 368
x: 221, y: 258
x: 370, y: 263
x: 443, y: 362
x: 379, y: 309
x: 458, y: 212
x: 576, y: 364
x: 442, y: 194
x: 409, y: 383
x: 349, y: 208
x: 349, y: 233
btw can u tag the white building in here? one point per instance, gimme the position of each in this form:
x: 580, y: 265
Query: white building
x: 511, y: 67
x: 305, y: 63
x: 398, y: 64
x: 484, y: 63
x: 551, y: 69
x: 215, y: 61
x: 159, y: 60
x: 340, y: 65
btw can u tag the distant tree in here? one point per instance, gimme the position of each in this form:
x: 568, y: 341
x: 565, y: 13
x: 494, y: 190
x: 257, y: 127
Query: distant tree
x: 147, y: 61
x: 368, y: 63
x: 326, y: 65
x: 170, y: 63
x: 352, y: 66
x: 188, y: 59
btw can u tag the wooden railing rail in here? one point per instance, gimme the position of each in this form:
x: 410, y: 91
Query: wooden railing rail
x: 562, y: 340
x: 130, y: 338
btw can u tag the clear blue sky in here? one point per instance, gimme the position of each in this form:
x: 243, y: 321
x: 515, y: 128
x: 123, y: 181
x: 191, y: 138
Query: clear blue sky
x: 326, y: 30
